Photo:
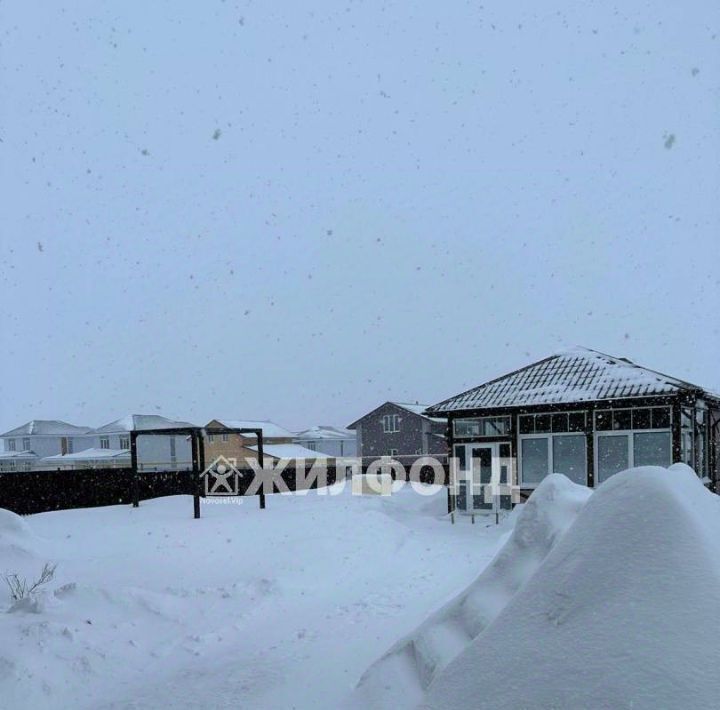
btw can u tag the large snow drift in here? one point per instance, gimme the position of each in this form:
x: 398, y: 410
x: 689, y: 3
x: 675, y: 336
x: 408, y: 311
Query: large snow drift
x: 622, y: 613
x: 399, y: 678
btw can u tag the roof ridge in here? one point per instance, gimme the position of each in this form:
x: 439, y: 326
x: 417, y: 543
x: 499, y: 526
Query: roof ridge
x: 496, y: 379
x: 577, y: 375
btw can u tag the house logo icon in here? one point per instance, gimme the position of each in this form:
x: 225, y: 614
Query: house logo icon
x: 221, y: 478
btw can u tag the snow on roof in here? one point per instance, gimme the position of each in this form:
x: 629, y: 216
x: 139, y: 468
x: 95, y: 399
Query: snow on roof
x: 290, y: 451
x: 573, y: 375
x: 270, y: 430
x: 141, y: 422
x: 18, y: 455
x: 47, y: 427
x: 90, y: 455
x: 413, y: 408
x: 326, y: 432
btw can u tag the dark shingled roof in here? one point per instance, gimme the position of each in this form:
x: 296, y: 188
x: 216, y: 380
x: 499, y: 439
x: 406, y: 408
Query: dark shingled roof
x: 577, y: 375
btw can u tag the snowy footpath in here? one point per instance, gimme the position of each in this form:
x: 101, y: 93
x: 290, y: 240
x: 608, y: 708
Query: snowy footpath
x: 281, y: 608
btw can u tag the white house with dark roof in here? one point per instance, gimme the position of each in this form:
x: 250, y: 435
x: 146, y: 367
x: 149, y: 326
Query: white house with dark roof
x: 582, y: 413
x: 333, y: 441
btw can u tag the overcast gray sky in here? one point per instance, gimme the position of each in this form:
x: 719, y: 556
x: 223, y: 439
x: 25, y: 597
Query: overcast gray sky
x: 297, y: 210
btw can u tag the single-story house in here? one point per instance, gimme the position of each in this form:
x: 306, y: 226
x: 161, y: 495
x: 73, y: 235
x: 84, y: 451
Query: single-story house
x: 330, y: 440
x: 582, y: 413
x: 89, y: 458
x: 289, y: 452
x: 18, y: 460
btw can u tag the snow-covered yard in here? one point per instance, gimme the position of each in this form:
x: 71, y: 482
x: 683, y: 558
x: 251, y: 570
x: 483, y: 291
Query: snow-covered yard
x: 280, y: 608
x: 604, y: 599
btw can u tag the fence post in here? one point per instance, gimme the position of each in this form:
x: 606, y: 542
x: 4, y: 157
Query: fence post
x: 261, y: 461
x: 134, y: 464
x: 195, y: 445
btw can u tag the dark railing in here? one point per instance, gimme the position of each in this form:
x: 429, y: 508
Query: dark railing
x: 26, y: 492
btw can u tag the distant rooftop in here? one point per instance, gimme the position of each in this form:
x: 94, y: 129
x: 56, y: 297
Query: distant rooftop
x: 18, y: 455
x: 326, y: 432
x: 91, y: 455
x: 412, y: 407
x: 141, y: 422
x: 573, y: 375
x: 270, y: 430
x: 290, y: 451
x: 47, y: 427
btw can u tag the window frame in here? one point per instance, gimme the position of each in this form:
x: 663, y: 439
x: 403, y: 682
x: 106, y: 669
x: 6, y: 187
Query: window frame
x: 483, y: 423
x: 391, y: 423
x: 104, y: 442
x: 629, y: 435
x: 549, y: 436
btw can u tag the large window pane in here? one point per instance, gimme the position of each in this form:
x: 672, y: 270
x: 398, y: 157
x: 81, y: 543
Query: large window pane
x: 569, y: 457
x: 612, y: 456
x: 534, y: 460
x: 652, y: 449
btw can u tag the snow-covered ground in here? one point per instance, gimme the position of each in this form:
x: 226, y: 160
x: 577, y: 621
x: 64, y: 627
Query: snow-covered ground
x: 604, y: 599
x: 243, y: 608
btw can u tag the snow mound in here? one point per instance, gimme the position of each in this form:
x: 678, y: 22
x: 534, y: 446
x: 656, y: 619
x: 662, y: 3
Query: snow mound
x: 17, y: 541
x: 622, y: 612
x: 399, y: 679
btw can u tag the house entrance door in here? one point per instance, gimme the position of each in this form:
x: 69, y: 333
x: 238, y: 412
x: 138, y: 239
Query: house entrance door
x: 476, y: 467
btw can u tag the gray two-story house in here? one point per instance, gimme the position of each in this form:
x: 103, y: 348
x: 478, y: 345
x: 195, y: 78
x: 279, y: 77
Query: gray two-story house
x: 400, y: 430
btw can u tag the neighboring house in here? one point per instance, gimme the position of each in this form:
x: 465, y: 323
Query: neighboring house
x: 581, y: 413
x: 89, y: 458
x: 46, y: 437
x: 330, y: 440
x: 400, y: 430
x: 17, y: 460
x: 156, y: 452
x: 289, y: 452
x: 238, y: 447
